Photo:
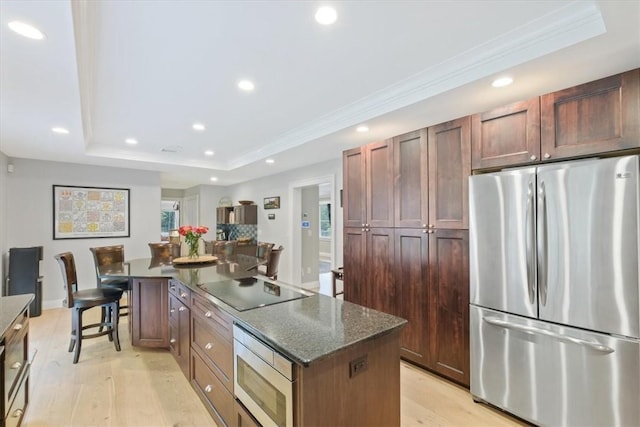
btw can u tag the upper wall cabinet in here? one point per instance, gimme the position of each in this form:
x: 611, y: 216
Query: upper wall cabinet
x: 507, y: 135
x: 431, y: 168
x: 368, y: 185
x: 597, y: 117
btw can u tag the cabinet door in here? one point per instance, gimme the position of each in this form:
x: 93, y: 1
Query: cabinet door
x: 379, y: 270
x: 595, y: 117
x: 149, y: 312
x: 449, y: 303
x: 412, y: 280
x: 449, y: 170
x: 354, y: 188
x: 506, y: 136
x: 379, y: 184
x: 354, y: 244
x: 222, y: 215
x: 245, y: 214
x: 411, y: 195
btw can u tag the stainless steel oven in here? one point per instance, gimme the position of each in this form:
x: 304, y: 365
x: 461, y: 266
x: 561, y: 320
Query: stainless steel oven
x: 263, y: 380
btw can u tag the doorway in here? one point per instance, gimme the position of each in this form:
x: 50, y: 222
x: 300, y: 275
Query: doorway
x: 313, y: 234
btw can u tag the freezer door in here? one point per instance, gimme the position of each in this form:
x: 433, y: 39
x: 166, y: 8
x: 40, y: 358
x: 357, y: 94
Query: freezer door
x: 502, y: 241
x: 552, y: 375
x: 588, y: 244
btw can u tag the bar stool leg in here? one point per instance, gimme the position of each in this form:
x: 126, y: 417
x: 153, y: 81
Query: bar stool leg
x: 114, y: 320
x: 77, y: 312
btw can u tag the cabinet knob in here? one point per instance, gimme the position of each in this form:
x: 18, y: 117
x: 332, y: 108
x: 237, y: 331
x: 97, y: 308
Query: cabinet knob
x: 208, y: 314
x: 424, y: 225
x: 182, y: 308
x: 425, y: 231
x: 173, y: 310
x: 209, y: 346
x: 16, y: 365
x: 173, y: 287
x: 547, y: 155
x: 172, y: 340
x: 364, y: 229
x: 17, y: 327
x: 432, y: 226
x: 17, y: 413
x: 183, y: 295
x: 208, y: 388
x: 532, y: 158
x: 363, y: 224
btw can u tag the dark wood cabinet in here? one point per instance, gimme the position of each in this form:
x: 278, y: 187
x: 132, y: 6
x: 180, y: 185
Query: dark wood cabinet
x: 506, y: 135
x: 432, y: 276
x: 14, y: 362
x: 368, y: 185
x: 179, y: 324
x: 596, y: 117
x: 149, y: 312
x: 449, y: 170
x: 410, y: 167
x: 369, y: 255
x: 449, y: 304
x: 242, y: 214
x: 593, y: 118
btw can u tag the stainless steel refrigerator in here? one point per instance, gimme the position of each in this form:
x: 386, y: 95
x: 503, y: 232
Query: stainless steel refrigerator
x: 554, y: 291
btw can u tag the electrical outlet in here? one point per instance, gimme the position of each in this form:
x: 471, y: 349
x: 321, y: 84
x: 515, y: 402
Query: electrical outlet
x: 357, y: 366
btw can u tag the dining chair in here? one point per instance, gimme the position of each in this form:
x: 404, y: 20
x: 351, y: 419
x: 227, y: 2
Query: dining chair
x: 224, y: 247
x: 263, y: 250
x: 164, y: 250
x: 105, y: 255
x: 81, y: 300
x: 271, y: 268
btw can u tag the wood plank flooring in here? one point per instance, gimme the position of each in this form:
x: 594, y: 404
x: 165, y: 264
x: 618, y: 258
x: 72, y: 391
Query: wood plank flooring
x: 144, y: 387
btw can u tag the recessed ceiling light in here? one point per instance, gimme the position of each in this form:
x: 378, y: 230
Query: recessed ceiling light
x: 209, y: 153
x: 270, y: 161
x: 362, y: 129
x: 198, y: 127
x: 26, y: 30
x: 131, y: 141
x: 246, y: 85
x: 502, y: 82
x: 326, y: 15
x: 214, y: 178
x: 60, y: 130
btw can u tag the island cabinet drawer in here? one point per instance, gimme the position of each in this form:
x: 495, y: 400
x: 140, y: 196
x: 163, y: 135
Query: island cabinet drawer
x: 180, y: 291
x: 216, y: 351
x: 218, y: 400
x: 17, y: 408
x: 16, y: 350
x: 220, y: 321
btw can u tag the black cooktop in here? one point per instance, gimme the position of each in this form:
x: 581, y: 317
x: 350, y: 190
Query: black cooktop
x: 246, y: 294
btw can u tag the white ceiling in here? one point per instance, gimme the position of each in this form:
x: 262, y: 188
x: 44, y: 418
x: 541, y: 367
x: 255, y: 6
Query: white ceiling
x: 110, y: 70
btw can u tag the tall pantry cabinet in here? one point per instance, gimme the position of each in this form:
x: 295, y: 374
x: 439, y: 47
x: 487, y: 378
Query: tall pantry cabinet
x: 415, y: 264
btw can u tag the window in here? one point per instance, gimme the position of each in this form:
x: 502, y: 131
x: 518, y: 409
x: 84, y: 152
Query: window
x: 325, y: 219
x: 169, y: 217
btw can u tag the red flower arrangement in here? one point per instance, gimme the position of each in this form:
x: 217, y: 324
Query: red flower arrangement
x: 192, y: 236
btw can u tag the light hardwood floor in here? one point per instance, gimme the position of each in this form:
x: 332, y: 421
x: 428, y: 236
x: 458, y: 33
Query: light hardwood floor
x: 142, y: 387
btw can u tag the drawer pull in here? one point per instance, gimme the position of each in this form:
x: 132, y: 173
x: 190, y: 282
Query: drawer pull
x: 173, y: 310
x: 208, y: 314
x: 173, y: 288
x: 183, y: 295
x: 16, y: 365
x: 209, y: 346
x: 17, y: 413
x: 17, y: 327
x: 172, y: 340
x: 208, y: 388
x: 182, y: 308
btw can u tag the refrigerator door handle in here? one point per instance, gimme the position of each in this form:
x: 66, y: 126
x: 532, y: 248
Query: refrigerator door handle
x: 542, y: 243
x: 594, y: 345
x: 529, y: 237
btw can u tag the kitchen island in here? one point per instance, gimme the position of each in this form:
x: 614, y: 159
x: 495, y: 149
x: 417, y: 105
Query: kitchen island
x: 345, y: 358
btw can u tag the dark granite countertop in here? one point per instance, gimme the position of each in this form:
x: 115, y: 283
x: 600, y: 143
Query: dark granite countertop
x: 309, y: 329
x: 11, y: 307
x: 304, y: 330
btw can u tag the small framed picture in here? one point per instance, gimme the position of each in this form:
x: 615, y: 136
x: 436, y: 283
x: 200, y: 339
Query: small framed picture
x: 272, y: 202
x: 271, y: 216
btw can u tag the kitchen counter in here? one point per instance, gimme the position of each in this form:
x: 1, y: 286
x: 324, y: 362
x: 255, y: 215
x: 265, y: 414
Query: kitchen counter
x: 305, y: 330
x: 11, y: 307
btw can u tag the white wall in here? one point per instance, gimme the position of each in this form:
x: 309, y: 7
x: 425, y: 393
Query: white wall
x: 309, y: 237
x: 281, y: 230
x: 29, y: 216
x: 4, y: 247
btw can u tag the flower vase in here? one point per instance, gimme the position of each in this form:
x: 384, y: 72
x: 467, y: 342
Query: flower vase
x: 193, y: 249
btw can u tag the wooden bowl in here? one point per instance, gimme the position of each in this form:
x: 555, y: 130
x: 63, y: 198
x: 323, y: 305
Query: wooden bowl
x: 245, y: 202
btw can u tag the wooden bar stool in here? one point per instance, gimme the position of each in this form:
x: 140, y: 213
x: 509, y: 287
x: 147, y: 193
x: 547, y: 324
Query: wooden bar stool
x: 82, y: 300
x: 337, y: 274
x: 105, y: 255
